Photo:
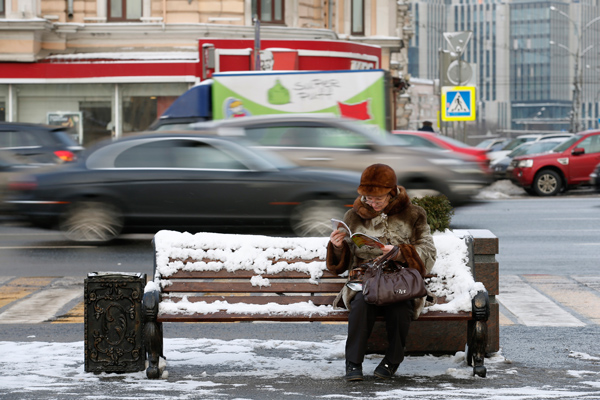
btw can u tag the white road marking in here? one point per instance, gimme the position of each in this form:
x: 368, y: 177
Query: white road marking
x: 530, y: 306
x: 44, y: 304
x: 45, y: 247
x: 5, y: 279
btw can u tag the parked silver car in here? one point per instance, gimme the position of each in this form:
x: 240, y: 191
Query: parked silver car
x: 328, y: 142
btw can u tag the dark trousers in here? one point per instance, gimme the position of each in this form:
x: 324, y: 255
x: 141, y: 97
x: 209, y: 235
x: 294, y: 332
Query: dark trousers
x: 360, y: 324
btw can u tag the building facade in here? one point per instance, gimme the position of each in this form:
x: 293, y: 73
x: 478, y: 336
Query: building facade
x: 111, y: 67
x: 527, y: 54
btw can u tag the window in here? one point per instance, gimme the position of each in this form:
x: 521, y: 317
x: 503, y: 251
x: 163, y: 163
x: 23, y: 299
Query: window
x: 590, y: 144
x: 270, y: 11
x: 358, y: 17
x: 2, y: 8
x: 124, y: 10
x: 176, y: 154
x: 16, y: 139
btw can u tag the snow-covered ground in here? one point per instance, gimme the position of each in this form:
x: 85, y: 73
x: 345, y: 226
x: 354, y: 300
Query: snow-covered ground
x: 268, y: 369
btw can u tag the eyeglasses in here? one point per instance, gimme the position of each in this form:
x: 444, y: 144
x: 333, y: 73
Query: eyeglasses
x: 376, y: 200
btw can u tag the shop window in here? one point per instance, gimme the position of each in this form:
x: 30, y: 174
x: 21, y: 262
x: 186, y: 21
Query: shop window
x: 97, y: 121
x: 358, y: 17
x: 138, y: 112
x: 2, y: 110
x: 2, y: 9
x: 124, y: 10
x: 270, y: 11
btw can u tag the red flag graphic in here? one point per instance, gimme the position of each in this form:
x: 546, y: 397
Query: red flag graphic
x: 358, y: 111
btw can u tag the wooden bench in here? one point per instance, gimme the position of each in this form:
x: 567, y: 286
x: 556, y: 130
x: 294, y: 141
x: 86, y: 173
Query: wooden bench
x: 211, y: 277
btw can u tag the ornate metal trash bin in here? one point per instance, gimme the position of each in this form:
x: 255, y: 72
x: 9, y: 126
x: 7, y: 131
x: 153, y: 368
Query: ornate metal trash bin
x: 113, y: 322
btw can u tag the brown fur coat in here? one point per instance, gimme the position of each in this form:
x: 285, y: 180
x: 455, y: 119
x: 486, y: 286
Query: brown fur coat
x: 401, y: 223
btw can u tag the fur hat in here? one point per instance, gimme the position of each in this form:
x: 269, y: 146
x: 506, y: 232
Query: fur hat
x: 377, y: 180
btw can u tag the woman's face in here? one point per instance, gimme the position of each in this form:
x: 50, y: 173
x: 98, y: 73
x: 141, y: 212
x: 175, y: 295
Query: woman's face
x: 378, y: 202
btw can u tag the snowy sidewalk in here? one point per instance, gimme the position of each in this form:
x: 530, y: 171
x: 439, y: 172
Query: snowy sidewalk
x: 221, y: 368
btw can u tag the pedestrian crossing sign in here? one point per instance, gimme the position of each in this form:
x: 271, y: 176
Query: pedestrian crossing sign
x: 458, y: 103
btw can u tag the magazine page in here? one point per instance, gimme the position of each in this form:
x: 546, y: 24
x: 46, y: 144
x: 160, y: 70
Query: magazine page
x: 362, y: 239
x: 338, y: 224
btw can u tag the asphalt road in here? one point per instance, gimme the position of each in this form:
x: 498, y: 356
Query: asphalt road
x: 559, y: 235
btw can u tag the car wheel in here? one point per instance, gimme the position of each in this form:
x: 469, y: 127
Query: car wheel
x: 547, y: 183
x: 313, y: 218
x: 91, y: 221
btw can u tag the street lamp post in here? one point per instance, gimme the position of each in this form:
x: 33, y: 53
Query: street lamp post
x: 578, y: 77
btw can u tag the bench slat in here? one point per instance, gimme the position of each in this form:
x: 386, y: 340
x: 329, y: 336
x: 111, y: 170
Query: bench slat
x: 273, y: 260
x: 317, y: 300
x: 243, y: 287
x: 244, y: 274
x: 338, y: 316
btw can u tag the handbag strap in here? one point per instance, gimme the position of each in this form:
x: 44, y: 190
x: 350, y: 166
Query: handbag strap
x: 390, y: 255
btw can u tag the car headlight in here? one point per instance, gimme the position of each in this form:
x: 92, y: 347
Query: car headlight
x: 525, y: 163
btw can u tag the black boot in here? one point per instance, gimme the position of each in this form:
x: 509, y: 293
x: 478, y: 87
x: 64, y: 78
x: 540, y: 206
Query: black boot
x: 385, y: 369
x: 353, y: 371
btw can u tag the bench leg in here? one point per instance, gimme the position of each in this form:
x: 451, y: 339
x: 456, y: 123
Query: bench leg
x: 153, y: 335
x: 477, y: 334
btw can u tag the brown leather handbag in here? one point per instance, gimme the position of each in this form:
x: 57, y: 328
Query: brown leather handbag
x: 387, y: 282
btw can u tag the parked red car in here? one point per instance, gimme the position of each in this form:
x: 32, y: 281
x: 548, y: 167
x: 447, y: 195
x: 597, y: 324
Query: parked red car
x: 568, y: 165
x: 441, y: 142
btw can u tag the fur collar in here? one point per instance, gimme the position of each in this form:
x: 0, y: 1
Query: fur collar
x: 397, y: 204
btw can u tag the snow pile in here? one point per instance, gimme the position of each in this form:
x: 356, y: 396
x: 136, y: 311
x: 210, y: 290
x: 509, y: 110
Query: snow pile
x: 502, y: 189
x: 184, y: 251
x: 454, y: 277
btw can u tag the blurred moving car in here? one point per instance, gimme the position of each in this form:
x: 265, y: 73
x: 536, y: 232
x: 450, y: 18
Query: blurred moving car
x: 440, y: 142
x: 501, y: 169
x: 492, y: 144
x: 186, y: 182
x: 323, y: 141
x: 568, y: 165
x: 595, y: 178
x: 9, y: 167
x: 516, y: 142
x: 38, y: 144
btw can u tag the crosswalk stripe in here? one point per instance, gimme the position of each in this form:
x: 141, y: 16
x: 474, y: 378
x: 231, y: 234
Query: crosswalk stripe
x: 569, y: 293
x: 530, y: 306
x: 21, y: 287
x: 5, y: 279
x: 43, y: 305
x: 73, y: 316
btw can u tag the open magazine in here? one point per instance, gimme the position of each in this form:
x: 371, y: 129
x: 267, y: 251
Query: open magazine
x: 361, y: 239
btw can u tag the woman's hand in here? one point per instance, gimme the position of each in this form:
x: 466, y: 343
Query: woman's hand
x: 386, y: 249
x: 337, y: 238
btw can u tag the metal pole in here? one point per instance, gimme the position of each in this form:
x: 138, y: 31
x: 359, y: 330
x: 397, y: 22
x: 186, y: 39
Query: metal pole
x: 256, y: 43
x: 575, y: 109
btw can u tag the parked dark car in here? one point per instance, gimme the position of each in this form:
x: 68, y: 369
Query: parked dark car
x: 327, y: 142
x: 595, y: 178
x: 38, y: 144
x: 184, y: 182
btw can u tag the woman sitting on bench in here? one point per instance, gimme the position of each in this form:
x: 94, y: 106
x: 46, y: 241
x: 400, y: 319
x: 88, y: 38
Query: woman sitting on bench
x: 383, y: 210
